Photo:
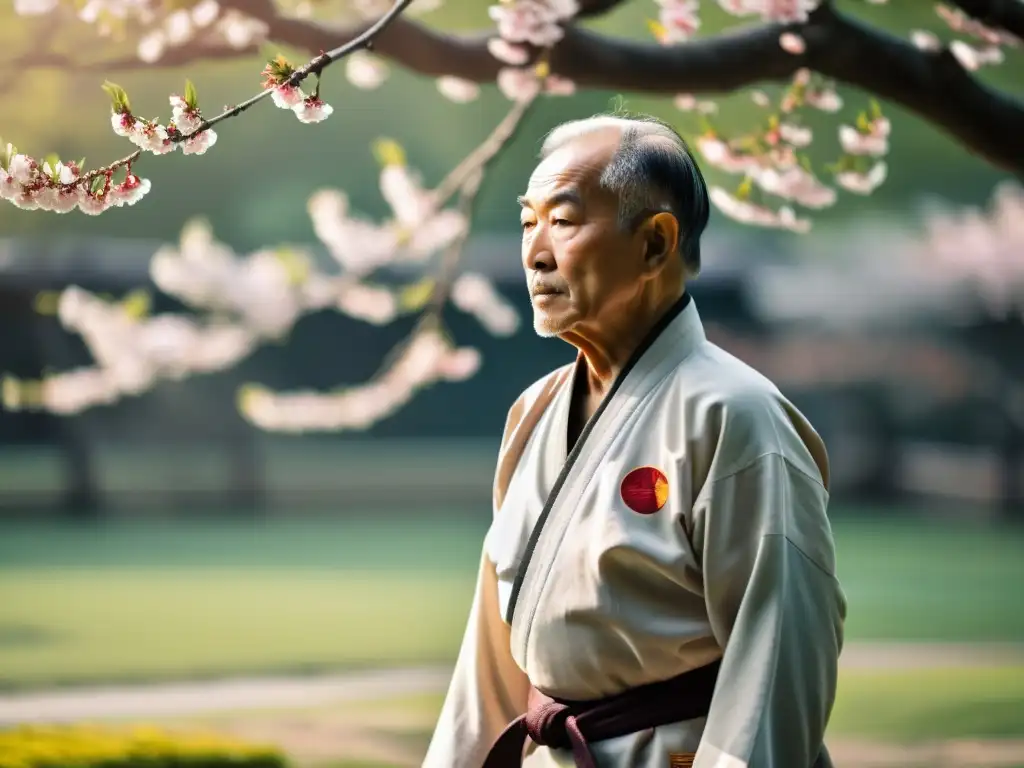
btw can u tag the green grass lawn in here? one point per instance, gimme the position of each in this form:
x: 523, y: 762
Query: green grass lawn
x: 159, y: 600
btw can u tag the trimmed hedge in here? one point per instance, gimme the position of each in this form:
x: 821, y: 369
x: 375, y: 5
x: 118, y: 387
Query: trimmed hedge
x: 140, y: 747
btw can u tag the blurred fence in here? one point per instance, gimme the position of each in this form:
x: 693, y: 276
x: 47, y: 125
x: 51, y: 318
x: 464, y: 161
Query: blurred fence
x: 910, y: 407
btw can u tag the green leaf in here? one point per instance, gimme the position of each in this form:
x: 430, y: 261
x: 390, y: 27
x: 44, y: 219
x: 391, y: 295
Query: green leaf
x: 118, y: 97
x: 191, y: 96
x: 863, y: 123
x: 136, y: 304
x: 388, y: 152
x: 97, y: 184
x: 744, y: 189
x: 296, y: 265
x: 46, y: 303
x: 52, y: 159
x: 81, y: 165
x: 876, y: 109
x: 416, y: 296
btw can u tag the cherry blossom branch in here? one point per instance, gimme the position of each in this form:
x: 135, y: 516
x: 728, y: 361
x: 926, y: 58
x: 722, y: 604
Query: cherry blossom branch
x: 61, y: 187
x: 934, y: 85
x: 426, y: 355
x: 998, y: 14
x: 467, y: 176
x: 483, y: 155
x: 362, y: 41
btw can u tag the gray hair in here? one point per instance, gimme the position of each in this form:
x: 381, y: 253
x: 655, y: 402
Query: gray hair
x: 653, y: 170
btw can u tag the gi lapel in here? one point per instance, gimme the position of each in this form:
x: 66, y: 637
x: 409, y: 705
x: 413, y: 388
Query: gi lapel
x: 625, y: 392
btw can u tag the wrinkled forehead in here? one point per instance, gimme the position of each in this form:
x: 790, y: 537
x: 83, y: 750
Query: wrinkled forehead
x: 575, y: 168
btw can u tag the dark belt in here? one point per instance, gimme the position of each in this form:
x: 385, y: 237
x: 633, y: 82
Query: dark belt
x: 574, y: 725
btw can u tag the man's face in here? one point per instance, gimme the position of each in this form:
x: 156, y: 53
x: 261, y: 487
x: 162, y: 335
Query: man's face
x: 580, y: 268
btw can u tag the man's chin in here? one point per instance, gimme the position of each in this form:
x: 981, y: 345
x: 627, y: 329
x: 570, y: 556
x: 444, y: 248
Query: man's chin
x: 548, y: 327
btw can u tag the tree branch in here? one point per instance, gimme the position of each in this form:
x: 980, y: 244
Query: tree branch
x: 997, y: 14
x: 931, y: 84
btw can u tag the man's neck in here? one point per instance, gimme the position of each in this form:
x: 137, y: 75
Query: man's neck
x: 607, y: 354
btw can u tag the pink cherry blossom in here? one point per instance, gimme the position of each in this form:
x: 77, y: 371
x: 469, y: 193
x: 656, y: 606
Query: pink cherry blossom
x: 365, y: 71
x: 796, y: 184
x: 792, y: 43
x: 287, y: 96
x: 863, y: 183
x: 185, y: 118
x: 784, y: 11
x: 874, y: 141
x: 959, y: 21
x: 458, y: 90
x: 93, y: 205
x: 535, y: 22
x: 425, y: 359
x: 312, y: 110
x: 972, y: 58
x: 66, y: 199
x: 130, y: 191
x: 819, y: 95
x: 555, y: 85
x: 23, y: 169
x: 152, y: 137
x: 518, y: 84
x: 678, y: 20
x: 687, y: 102
x: 797, y: 135
x: 198, y: 144
x: 720, y: 155
x: 459, y: 364
x: 205, y: 12
x: 240, y: 30
x: 525, y: 83
x: 506, y: 52
x: 825, y: 99
x: 368, y: 303
x: 925, y: 40
x: 475, y: 295
x: 418, y: 230
x: 757, y: 215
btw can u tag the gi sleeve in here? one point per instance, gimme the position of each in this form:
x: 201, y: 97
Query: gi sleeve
x: 777, y: 611
x: 488, y: 690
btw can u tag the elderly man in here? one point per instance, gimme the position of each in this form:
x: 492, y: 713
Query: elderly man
x: 657, y: 588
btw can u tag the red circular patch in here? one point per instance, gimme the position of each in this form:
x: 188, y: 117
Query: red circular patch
x: 645, y: 490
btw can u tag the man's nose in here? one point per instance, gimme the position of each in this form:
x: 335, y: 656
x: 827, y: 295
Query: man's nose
x: 537, y: 254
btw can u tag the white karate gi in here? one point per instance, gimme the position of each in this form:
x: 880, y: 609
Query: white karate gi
x: 738, y: 564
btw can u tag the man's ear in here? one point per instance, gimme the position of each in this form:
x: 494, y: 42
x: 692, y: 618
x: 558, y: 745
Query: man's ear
x: 661, y: 239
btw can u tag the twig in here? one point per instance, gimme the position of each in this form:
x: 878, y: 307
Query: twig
x: 481, y: 157
x: 467, y: 177
x: 315, y: 66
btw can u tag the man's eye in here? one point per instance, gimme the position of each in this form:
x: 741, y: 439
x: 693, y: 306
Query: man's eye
x: 526, y: 224
x: 562, y: 223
